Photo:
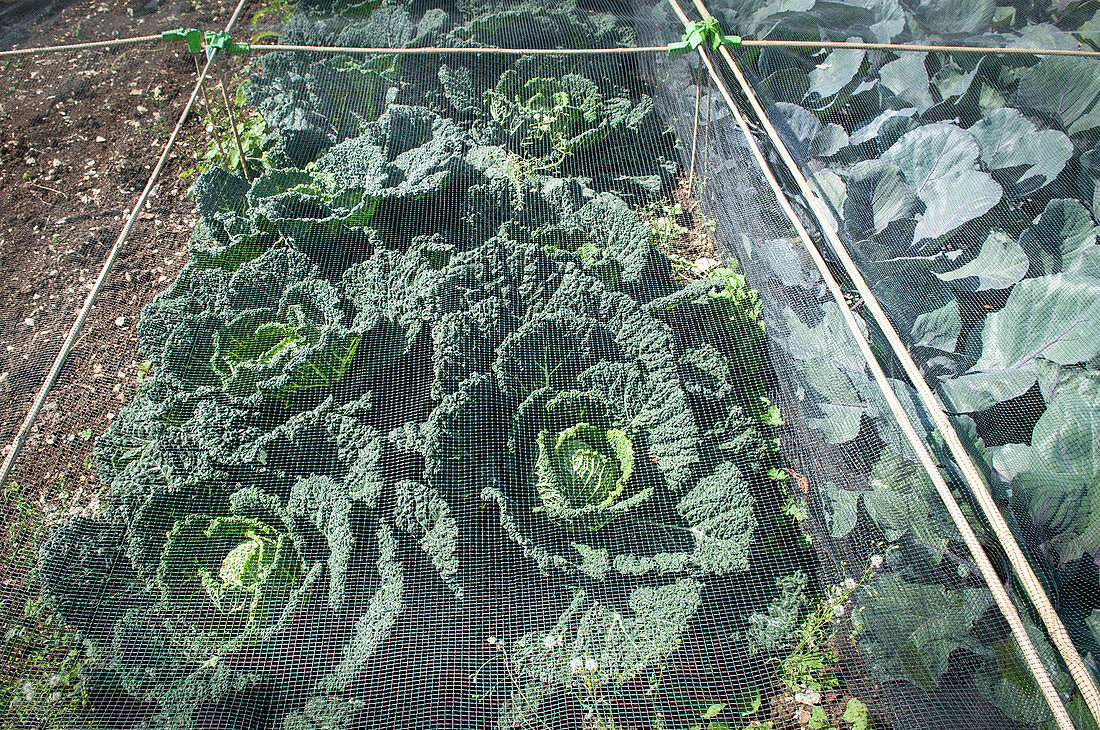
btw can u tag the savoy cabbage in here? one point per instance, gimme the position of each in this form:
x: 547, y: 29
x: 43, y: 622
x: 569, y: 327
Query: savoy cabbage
x: 411, y: 363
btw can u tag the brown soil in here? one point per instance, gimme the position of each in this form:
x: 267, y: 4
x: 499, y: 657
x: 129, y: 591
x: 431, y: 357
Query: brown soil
x: 787, y: 713
x: 80, y: 133
x: 691, y: 251
x: 697, y: 243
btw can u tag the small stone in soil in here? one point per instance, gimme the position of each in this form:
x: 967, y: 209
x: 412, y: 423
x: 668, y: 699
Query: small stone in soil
x: 809, y: 697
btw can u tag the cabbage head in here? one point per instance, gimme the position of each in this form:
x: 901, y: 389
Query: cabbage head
x: 573, y: 410
x: 232, y: 576
x: 582, y: 469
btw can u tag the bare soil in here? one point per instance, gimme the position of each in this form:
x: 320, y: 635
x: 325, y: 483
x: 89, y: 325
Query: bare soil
x: 80, y: 133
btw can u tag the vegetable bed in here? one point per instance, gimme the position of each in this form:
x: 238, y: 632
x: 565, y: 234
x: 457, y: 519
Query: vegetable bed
x: 432, y: 432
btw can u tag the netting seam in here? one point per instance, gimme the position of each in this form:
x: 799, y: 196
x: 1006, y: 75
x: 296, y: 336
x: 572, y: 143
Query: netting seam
x: 442, y: 50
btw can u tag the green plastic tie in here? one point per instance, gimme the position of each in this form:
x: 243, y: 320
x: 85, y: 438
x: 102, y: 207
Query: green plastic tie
x: 193, y: 36
x: 704, y: 33
x: 196, y: 40
x: 223, y: 42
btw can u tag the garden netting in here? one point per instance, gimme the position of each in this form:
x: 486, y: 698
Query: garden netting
x: 500, y: 392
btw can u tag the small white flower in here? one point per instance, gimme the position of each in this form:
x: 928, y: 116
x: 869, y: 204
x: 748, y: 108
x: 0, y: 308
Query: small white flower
x: 590, y: 664
x: 876, y: 561
x: 550, y: 641
x: 492, y: 640
x: 850, y: 584
x: 838, y: 610
x: 576, y: 664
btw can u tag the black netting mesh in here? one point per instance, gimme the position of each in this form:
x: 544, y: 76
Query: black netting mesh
x: 498, y: 391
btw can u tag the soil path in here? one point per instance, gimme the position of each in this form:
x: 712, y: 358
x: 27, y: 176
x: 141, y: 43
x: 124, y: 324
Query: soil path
x: 79, y: 136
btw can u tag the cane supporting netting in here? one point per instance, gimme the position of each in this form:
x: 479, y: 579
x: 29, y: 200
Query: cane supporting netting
x: 511, y: 390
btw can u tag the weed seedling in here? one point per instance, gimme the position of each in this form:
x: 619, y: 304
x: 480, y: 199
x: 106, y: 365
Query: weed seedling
x: 664, y: 222
x: 595, y: 686
x: 46, y: 657
x: 42, y: 656
x: 665, y: 228
x: 809, y: 666
x: 143, y: 370
x: 252, y: 129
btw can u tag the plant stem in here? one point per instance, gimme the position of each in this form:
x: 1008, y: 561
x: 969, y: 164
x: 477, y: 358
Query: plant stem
x: 210, y: 118
x: 233, y: 126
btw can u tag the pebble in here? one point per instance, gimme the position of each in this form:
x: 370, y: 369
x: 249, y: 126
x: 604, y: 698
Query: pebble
x: 704, y: 264
x: 100, y: 139
x: 120, y: 322
x: 809, y: 697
